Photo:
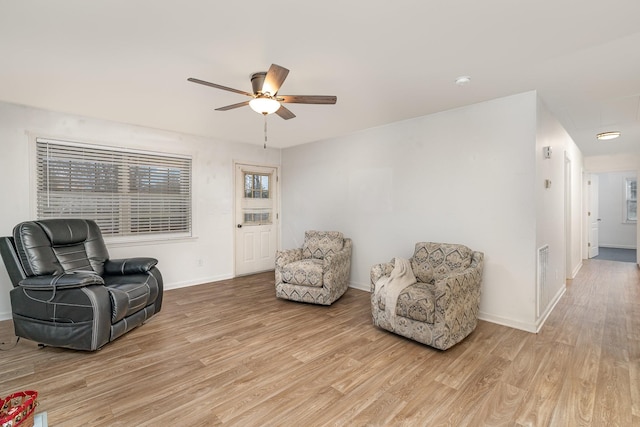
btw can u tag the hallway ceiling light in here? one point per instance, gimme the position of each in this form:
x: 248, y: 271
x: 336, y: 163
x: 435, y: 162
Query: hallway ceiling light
x: 603, y: 136
x: 463, y: 80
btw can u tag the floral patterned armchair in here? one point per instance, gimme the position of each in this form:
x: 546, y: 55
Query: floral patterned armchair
x: 318, y: 272
x: 440, y: 307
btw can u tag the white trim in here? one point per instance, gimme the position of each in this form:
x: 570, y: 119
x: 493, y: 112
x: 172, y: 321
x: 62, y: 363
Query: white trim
x: 196, y: 282
x: 109, y: 147
x: 360, y: 286
x: 504, y: 321
x: 626, y: 180
x: 616, y: 246
x: 574, y: 273
x: 277, y: 206
x: 180, y: 160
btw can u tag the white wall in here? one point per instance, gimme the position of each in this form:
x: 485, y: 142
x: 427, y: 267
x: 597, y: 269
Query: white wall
x: 212, y: 188
x: 613, y: 232
x: 463, y: 176
x: 558, y: 206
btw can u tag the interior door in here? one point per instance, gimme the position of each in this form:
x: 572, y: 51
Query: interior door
x: 256, y: 225
x: 592, y: 215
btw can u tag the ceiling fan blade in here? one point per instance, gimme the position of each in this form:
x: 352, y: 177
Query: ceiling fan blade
x: 274, y: 79
x: 308, y: 99
x: 232, y: 106
x: 285, y: 113
x: 230, y: 89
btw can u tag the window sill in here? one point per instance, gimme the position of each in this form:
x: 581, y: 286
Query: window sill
x: 147, y: 240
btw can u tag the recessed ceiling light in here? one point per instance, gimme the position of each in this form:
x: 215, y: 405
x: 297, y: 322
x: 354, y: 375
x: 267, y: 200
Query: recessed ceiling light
x: 603, y: 136
x: 463, y: 80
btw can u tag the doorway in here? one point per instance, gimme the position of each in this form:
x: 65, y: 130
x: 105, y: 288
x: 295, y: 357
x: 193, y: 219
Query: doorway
x: 256, y: 218
x: 616, y: 198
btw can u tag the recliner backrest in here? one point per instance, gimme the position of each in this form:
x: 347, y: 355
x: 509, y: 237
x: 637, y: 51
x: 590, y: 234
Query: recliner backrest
x: 320, y: 244
x: 56, y: 246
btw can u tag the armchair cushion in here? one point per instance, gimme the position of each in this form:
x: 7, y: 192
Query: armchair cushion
x: 442, y: 258
x: 307, y: 272
x: 320, y: 244
x: 417, y: 302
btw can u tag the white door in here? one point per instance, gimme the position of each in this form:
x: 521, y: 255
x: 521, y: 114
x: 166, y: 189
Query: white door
x: 592, y: 216
x: 256, y: 225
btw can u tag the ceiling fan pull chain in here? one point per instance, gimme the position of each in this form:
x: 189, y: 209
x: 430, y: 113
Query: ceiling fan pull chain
x: 265, y: 130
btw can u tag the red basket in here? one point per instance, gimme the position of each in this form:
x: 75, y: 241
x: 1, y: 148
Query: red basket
x: 18, y: 409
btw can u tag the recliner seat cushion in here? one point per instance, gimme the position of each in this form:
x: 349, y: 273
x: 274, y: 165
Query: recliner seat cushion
x: 307, y: 272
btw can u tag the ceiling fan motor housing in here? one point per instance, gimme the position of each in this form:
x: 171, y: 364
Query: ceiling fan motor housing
x: 257, y: 81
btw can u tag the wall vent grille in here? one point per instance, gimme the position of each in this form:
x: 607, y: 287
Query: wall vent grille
x: 544, y: 294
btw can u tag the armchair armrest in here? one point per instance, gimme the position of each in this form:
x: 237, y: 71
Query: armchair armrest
x: 339, y: 257
x: 129, y: 266
x: 380, y: 270
x: 337, y: 267
x: 459, y: 291
x: 288, y: 256
x: 283, y: 258
x: 77, y: 279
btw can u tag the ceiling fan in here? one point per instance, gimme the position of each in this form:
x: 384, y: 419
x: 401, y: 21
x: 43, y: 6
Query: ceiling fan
x: 265, y: 99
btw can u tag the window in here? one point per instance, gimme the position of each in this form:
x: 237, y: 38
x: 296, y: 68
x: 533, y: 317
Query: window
x: 256, y: 189
x: 631, y: 200
x: 126, y: 192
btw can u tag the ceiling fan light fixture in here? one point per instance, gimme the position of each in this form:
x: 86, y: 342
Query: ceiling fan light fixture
x: 603, y: 136
x: 264, y: 105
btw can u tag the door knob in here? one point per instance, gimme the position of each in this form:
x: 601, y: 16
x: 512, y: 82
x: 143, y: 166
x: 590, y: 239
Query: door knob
x: 239, y: 225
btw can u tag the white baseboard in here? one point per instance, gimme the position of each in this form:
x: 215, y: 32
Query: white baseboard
x: 601, y: 245
x: 5, y: 315
x: 574, y: 273
x: 550, y: 308
x: 505, y: 321
x: 199, y: 281
x: 360, y: 286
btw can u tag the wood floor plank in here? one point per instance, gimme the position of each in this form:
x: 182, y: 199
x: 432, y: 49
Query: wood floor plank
x: 542, y: 393
x: 230, y: 353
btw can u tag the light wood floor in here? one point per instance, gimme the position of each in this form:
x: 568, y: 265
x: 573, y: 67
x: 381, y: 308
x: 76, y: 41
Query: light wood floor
x: 230, y: 353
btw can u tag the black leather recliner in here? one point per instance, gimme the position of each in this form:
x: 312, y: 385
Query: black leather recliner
x: 68, y: 293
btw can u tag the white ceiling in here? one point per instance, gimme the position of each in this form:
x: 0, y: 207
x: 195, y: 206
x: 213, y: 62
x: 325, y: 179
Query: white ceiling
x: 386, y: 61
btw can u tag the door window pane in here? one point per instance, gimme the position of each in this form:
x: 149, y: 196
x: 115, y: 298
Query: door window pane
x: 256, y: 186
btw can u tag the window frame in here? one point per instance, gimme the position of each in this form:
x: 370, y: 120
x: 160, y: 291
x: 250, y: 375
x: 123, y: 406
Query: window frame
x: 187, y: 200
x: 627, y: 198
x: 254, y: 212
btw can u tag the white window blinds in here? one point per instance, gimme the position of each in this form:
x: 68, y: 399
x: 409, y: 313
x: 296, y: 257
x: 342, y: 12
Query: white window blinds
x: 126, y: 192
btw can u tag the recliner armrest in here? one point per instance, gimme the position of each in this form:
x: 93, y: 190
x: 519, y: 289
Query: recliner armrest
x: 77, y: 279
x: 129, y: 266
